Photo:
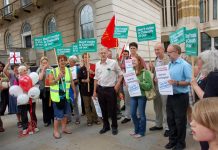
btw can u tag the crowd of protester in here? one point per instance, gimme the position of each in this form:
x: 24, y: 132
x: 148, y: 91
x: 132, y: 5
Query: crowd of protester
x: 60, y: 88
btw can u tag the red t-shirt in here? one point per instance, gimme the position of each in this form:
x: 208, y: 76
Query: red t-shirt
x: 92, y: 67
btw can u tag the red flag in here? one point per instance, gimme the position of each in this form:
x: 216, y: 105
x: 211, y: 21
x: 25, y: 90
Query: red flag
x: 121, y: 54
x: 107, y: 38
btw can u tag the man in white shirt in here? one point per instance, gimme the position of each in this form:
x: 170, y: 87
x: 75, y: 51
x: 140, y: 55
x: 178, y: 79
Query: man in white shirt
x: 106, y: 87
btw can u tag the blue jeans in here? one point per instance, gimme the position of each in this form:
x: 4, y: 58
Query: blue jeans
x: 139, y: 123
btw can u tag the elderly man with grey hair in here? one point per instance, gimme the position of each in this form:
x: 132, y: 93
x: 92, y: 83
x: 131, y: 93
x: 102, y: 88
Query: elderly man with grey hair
x: 206, y: 83
x: 74, y: 69
x: 160, y: 100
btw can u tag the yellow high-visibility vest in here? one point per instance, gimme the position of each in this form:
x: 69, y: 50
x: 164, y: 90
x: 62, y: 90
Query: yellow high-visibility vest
x: 54, y: 89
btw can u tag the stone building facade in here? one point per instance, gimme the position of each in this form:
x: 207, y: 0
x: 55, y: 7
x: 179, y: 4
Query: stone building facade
x: 22, y: 20
x: 201, y: 14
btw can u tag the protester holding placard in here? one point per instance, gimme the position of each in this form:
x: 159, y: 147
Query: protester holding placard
x: 60, y: 82
x: 13, y: 79
x: 108, y: 77
x: 44, y: 74
x: 177, y: 104
x: 139, y: 102
x: 86, y: 78
x: 127, y: 116
x: 75, y: 73
x: 160, y: 100
x: 133, y: 52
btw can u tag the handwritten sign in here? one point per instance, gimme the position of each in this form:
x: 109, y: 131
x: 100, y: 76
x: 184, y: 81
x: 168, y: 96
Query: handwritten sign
x: 128, y: 65
x: 163, y: 76
x: 191, y: 42
x: 146, y: 32
x: 121, y: 32
x: 87, y: 45
x: 132, y: 82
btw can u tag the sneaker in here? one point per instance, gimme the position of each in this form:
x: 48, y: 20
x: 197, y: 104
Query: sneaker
x: 125, y: 120
x: 154, y: 128
x: 24, y: 132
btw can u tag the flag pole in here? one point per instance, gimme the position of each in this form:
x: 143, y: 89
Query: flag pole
x: 59, y: 68
x: 88, y: 68
x: 149, y: 52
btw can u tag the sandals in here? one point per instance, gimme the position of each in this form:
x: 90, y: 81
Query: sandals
x: 56, y: 137
x: 132, y: 134
x: 138, y: 136
x: 89, y: 124
x: 67, y: 132
x: 77, y: 122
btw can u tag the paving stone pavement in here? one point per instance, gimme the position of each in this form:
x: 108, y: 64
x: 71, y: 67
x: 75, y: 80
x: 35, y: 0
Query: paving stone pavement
x: 83, y: 137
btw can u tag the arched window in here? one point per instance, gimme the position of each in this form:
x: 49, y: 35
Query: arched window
x: 86, y: 22
x: 51, y: 25
x: 26, y: 35
x: 8, y: 40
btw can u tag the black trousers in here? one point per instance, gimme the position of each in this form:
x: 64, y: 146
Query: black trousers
x: 24, y: 116
x: 4, y: 101
x: 47, y: 109
x: 176, y: 108
x: 108, y: 102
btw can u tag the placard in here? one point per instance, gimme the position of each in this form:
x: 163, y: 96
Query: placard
x: 178, y: 36
x: 121, y: 32
x: 191, y: 42
x: 163, y: 76
x: 146, y: 32
x: 15, y: 58
x: 87, y: 45
x: 48, y: 42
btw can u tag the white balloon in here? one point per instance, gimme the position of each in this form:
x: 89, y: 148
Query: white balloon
x: 34, y: 93
x: 22, y: 99
x: 34, y: 76
x: 15, y: 90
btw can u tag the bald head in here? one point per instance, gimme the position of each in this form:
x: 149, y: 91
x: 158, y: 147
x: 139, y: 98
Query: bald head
x: 159, y: 50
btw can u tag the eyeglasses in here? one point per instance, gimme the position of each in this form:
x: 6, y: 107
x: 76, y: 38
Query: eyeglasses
x: 170, y: 52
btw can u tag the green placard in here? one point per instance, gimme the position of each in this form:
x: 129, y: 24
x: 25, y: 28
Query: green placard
x: 64, y: 51
x: 178, y: 36
x: 48, y: 42
x: 191, y: 42
x: 146, y: 32
x: 75, y: 49
x: 87, y: 45
x: 121, y: 32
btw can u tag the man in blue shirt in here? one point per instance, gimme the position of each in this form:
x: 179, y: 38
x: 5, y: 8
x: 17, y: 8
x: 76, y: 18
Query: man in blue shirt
x: 177, y: 104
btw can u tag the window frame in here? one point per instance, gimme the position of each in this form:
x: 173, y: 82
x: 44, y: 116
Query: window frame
x: 24, y: 34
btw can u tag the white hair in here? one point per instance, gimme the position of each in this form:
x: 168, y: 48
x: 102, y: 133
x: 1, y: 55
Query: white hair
x: 210, y: 61
x: 73, y: 58
x: 21, y: 69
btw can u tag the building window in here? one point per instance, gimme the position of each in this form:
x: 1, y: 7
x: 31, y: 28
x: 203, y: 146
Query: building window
x: 8, y: 41
x: 216, y: 43
x: 205, y: 41
x: 214, y: 9
x: 51, y: 26
x: 26, y: 2
x: 86, y: 22
x: 164, y: 13
x: 7, y: 8
x: 204, y: 11
x: 173, y: 11
x: 26, y: 36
